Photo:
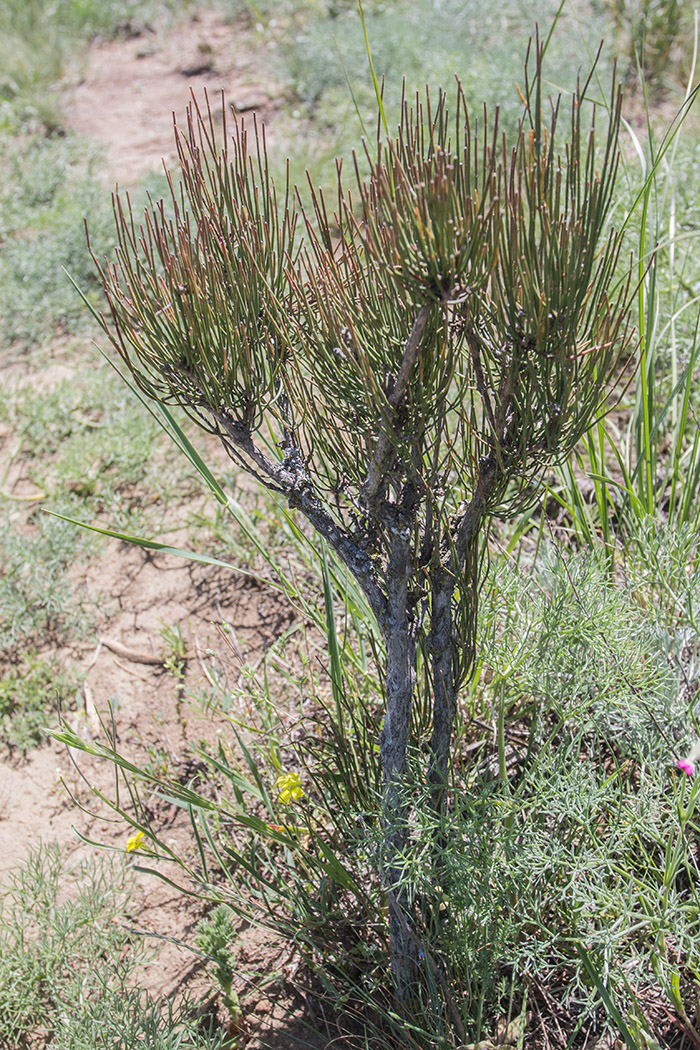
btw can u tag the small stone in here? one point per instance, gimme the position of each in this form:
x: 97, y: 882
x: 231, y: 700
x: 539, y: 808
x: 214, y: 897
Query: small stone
x: 253, y: 100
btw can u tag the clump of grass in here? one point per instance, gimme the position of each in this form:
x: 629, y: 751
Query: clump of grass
x: 67, y: 963
x: 642, y: 456
x: 56, y: 925
x: 134, y: 1018
x: 29, y: 695
x: 37, y: 598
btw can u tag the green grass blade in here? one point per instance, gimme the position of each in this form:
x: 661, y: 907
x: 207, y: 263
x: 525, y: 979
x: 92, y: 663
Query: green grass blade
x: 607, y: 999
x: 336, y: 663
x: 162, y: 548
x: 377, y: 89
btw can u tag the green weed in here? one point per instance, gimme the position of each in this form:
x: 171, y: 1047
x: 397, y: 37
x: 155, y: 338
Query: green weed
x: 216, y: 937
x: 133, y: 1018
x: 30, y: 696
x: 175, y: 649
x: 56, y: 924
x: 66, y: 961
x: 37, y: 598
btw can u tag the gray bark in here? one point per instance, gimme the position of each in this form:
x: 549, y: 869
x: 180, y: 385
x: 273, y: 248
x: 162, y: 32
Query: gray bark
x: 394, y: 738
x: 370, y: 491
x: 442, y: 673
x: 291, y: 479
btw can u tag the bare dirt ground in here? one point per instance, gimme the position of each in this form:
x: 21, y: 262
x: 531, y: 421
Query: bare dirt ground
x: 126, y: 95
x: 124, y: 101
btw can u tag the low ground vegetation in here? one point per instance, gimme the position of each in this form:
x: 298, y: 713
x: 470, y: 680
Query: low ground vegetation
x: 67, y: 959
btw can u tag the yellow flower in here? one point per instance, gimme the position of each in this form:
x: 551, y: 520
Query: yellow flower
x: 289, y: 787
x: 135, y: 842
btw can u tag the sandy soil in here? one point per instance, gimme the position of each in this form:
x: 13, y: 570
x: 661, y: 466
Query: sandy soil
x: 129, y: 90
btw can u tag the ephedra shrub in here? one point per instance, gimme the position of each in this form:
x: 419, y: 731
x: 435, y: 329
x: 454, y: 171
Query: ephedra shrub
x: 399, y: 366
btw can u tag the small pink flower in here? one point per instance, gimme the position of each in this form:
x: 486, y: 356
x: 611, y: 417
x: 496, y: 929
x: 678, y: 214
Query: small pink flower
x: 685, y: 766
